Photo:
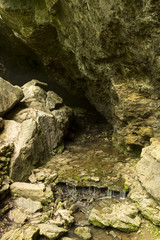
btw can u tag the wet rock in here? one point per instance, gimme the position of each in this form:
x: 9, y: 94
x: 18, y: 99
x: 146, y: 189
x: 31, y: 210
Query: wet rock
x: 83, y: 232
x: 51, y: 231
x: 123, y: 216
x: 9, y: 96
x: 148, y: 168
x: 66, y: 216
x: 17, y: 216
x: 113, y: 234
x: 148, y: 207
x: 28, y: 190
x: 75, y: 207
x: 28, y: 205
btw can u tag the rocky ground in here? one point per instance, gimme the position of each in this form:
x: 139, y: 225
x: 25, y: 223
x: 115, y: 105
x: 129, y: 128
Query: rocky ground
x: 60, y: 201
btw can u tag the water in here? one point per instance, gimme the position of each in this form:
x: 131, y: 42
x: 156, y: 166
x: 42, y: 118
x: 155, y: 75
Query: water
x: 109, y: 193
x: 122, y: 195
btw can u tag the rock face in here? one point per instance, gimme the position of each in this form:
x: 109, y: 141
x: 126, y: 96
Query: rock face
x: 123, y: 216
x: 9, y: 96
x: 105, y: 51
x: 148, y: 169
x: 36, y: 131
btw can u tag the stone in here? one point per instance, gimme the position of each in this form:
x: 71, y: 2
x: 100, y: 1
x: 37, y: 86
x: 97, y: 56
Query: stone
x: 148, y: 168
x: 113, y: 234
x: 27, y: 190
x: 28, y: 205
x: 83, y: 232
x: 35, y: 135
x: 17, y: 216
x: 51, y: 231
x: 9, y: 96
x: 31, y: 233
x: 53, y: 100
x: 42, y: 175
x: 123, y: 216
x: 13, y: 235
x: 148, y: 207
x: 66, y: 216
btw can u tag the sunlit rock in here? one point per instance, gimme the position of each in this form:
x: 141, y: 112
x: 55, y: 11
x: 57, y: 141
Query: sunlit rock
x: 123, y: 216
x: 9, y: 96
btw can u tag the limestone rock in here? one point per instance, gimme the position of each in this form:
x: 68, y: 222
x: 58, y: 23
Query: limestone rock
x: 123, y: 216
x: 148, y: 207
x: 28, y: 190
x: 17, y: 216
x: 13, y: 235
x: 148, y: 169
x: 66, y: 216
x: 83, y: 232
x: 35, y: 135
x: 53, y: 100
x: 33, y: 94
x: 51, y: 231
x: 9, y: 96
x: 42, y: 175
x: 28, y: 205
x: 31, y: 233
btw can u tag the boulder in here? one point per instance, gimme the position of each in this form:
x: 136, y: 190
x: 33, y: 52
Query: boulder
x: 35, y: 135
x: 33, y: 94
x: 28, y: 205
x: 9, y: 96
x: 148, y: 168
x: 35, y: 192
x: 66, y: 216
x: 148, y: 207
x: 83, y: 232
x: 51, y: 231
x: 123, y: 216
x: 17, y: 216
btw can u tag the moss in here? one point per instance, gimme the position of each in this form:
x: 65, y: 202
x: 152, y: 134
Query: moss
x: 97, y: 223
